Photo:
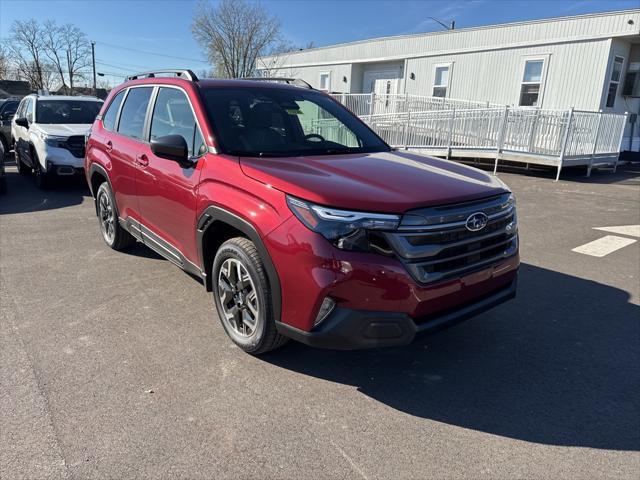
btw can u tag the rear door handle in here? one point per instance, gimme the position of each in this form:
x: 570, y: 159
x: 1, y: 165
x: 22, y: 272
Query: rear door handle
x: 109, y: 145
x: 142, y: 160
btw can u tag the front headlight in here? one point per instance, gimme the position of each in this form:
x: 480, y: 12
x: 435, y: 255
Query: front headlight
x: 53, y: 140
x: 512, y: 227
x: 344, y: 228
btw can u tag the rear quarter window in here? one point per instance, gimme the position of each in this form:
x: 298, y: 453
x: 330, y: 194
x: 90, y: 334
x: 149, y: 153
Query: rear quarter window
x: 110, y: 116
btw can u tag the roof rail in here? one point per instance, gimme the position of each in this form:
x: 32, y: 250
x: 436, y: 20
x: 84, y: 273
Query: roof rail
x: 290, y: 81
x: 182, y: 73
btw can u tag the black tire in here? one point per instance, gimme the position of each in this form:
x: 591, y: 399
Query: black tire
x: 42, y: 177
x: 5, y: 146
x: 264, y: 336
x: 3, y: 185
x: 22, y: 168
x: 117, y: 238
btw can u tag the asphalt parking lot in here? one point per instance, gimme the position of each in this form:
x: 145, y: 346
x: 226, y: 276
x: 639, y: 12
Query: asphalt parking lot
x: 114, y: 365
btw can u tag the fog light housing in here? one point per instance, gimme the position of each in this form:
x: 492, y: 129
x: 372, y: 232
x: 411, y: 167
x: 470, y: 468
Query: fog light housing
x: 328, y: 304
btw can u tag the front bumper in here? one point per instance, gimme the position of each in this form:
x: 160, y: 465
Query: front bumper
x: 64, y: 170
x: 59, y: 157
x: 367, y: 285
x: 347, y: 329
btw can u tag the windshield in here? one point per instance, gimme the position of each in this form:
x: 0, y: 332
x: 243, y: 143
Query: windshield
x: 274, y: 122
x: 67, y: 111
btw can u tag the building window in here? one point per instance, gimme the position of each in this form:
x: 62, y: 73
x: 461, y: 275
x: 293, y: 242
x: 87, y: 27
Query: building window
x: 441, y: 81
x: 614, y: 81
x: 531, y: 83
x: 325, y: 81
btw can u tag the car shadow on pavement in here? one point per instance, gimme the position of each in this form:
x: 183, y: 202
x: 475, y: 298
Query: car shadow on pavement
x: 23, y: 196
x: 559, y: 365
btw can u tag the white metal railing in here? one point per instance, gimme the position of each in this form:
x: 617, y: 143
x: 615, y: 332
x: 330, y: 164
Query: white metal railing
x: 411, y: 121
x: 372, y: 104
x: 539, y: 132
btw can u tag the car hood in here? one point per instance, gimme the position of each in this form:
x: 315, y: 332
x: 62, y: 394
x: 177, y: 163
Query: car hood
x: 64, y: 130
x: 384, y: 181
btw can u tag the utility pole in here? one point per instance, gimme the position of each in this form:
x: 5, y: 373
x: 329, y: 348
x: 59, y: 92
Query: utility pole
x: 93, y: 59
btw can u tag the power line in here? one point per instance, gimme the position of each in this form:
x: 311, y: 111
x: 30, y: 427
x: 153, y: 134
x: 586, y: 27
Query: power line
x: 77, y: 73
x: 118, y: 67
x: 152, y: 53
x: 126, y: 66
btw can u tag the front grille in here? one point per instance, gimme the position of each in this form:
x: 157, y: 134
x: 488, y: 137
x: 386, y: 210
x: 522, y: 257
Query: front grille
x: 435, y: 244
x: 75, y: 144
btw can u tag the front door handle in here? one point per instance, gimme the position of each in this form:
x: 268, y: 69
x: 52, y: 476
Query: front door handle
x: 142, y: 160
x: 109, y: 145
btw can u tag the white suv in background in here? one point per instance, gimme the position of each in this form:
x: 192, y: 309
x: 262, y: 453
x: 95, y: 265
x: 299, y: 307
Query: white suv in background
x: 49, y: 134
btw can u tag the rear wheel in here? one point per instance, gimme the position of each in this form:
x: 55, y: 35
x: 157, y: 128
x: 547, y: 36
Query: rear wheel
x: 242, y: 295
x: 113, y: 234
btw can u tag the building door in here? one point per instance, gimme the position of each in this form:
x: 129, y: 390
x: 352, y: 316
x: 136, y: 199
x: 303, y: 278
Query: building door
x: 384, y: 83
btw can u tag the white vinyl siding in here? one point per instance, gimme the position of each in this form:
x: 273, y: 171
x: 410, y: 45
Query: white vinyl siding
x: 468, y: 40
x: 576, y: 74
x: 488, y: 62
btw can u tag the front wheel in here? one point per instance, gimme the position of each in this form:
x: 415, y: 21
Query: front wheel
x: 22, y: 168
x: 42, y: 177
x: 242, y: 295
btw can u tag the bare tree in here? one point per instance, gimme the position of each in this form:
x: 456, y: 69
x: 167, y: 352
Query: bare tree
x: 68, y: 49
x: 53, y: 49
x: 4, y: 63
x: 77, y: 50
x: 234, y: 33
x: 26, y: 46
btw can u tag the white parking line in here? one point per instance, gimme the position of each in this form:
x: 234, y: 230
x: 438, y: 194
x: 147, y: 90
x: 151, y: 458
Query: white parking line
x: 631, y: 230
x: 604, y: 246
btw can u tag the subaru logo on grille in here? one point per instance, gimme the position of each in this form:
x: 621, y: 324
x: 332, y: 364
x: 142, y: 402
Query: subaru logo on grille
x: 476, y: 221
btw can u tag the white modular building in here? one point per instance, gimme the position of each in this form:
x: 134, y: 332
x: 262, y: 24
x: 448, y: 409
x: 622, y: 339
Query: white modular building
x: 586, y: 62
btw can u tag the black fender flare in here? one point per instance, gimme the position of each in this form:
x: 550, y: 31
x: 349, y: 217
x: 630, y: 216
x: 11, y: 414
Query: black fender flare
x: 96, y: 167
x: 214, y: 214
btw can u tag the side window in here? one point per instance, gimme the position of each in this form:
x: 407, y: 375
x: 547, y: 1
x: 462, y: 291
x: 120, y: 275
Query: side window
x: 441, y: 81
x: 325, y: 81
x: 531, y: 81
x: 29, y: 110
x: 614, y: 81
x: 109, y: 118
x: 20, y: 111
x: 172, y: 115
x: 134, y: 111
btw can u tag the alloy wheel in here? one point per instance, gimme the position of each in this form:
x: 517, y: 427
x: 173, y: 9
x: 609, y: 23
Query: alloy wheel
x: 107, y: 217
x: 238, y: 297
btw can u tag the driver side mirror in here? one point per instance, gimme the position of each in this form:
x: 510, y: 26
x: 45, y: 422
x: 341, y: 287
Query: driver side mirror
x: 171, y: 147
x: 22, y: 122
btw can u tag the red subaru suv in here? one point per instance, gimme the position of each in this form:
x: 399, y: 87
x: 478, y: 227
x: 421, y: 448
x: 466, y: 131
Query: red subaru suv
x: 301, y: 220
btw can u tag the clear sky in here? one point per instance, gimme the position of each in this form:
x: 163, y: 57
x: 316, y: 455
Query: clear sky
x: 131, y: 34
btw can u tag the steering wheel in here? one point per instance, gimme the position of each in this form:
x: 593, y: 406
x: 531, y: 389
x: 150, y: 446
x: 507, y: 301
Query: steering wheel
x: 319, y: 138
